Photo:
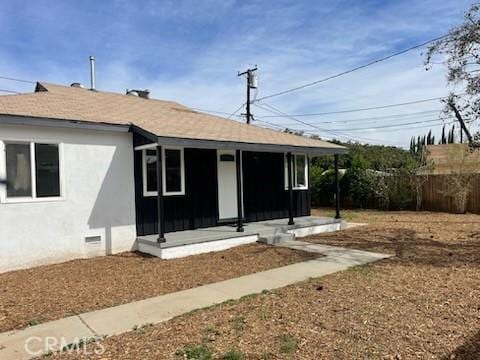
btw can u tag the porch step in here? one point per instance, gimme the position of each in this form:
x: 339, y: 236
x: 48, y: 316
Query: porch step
x: 275, y: 238
x: 272, y: 232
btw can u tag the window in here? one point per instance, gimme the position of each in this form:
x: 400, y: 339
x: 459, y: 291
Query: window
x: 19, y: 174
x: 300, y: 178
x: 47, y: 170
x: 151, y: 170
x: 173, y: 168
x: 33, y: 170
x: 299, y: 171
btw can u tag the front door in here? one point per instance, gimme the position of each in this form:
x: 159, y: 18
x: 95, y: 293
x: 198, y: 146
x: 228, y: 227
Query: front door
x: 227, y: 185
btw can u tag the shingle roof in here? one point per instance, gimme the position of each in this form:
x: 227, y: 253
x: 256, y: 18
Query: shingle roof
x: 161, y: 118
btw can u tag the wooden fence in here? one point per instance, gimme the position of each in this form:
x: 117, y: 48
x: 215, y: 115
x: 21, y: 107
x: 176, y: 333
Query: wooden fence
x: 434, y: 200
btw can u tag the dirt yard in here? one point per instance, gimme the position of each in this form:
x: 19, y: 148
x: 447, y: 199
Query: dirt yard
x: 29, y: 297
x: 424, y: 303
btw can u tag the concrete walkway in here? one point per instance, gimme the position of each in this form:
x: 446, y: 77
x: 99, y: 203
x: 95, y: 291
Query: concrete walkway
x: 123, y: 318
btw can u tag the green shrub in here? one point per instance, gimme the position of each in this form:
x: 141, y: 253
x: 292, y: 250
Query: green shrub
x: 239, y: 323
x: 288, y: 345
x: 196, y: 352
x: 233, y: 355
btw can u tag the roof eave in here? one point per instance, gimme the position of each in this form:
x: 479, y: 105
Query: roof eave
x: 236, y: 145
x: 245, y: 146
x: 53, y: 122
x: 169, y: 141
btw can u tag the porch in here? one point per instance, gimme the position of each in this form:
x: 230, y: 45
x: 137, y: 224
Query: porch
x: 191, y: 242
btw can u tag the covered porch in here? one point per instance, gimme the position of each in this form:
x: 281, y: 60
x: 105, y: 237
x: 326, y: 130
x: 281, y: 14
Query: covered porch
x: 195, y: 196
x: 190, y: 242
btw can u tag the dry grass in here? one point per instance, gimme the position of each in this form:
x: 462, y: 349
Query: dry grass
x: 424, y: 303
x: 28, y: 297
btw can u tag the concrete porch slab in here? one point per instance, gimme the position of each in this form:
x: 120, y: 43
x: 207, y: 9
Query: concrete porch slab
x: 191, y: 242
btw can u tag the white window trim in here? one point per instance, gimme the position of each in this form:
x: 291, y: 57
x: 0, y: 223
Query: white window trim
x: 150, y: 146
x: 29, y: 199
x: 146, y: 193
x: 294, y: 172
x: 164, y: 178
x: 182, y: 173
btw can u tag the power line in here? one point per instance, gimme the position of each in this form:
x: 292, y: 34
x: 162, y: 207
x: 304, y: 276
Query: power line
x: 337, y: 134
x: 350, y: 137
x: 409, y: 128
x: 15, y: 79
x: 9, y: 91
x: 365, y: 108
x: 235, y: 112
x: 211, y: 111
x: 351, y: 70
x: 277, y: 111
x: 375, y: 119
x: 396, y: 125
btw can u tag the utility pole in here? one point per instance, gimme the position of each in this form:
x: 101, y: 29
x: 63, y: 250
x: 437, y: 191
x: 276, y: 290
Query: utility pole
x: 252, y: 83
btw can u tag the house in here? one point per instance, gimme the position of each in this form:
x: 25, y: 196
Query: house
x: 92, y: 173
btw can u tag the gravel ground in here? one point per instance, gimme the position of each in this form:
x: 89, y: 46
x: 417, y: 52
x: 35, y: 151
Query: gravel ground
x: 424, y: 303
x: 29, y: 297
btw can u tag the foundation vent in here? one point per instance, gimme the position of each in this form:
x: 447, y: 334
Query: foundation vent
x: 93, y: 239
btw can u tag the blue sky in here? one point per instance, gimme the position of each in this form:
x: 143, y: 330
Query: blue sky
x: 190, y: 51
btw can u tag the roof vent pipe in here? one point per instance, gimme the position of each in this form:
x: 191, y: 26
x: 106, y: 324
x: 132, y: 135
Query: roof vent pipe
x: 92, y: 73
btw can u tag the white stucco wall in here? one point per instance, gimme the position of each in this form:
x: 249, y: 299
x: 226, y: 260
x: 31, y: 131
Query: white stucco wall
x: 98, y: 200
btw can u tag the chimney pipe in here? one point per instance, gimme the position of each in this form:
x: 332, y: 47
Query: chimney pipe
x: 92, y: 73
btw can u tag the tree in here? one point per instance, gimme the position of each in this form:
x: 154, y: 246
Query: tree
x: 461, y: 47
x: 451, y: 135
x: 356, y: 182
x: 444, y: 138
x: 413, y: 145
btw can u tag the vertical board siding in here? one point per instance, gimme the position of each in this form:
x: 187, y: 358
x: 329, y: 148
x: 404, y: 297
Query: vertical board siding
x: 264, y: 193
x: 196, y: 209
x: 434, y: 200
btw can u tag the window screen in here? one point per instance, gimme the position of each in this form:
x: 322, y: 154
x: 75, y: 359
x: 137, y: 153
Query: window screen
x: 173, y: 170
x: 47, y: 170
x: 19, y: 176
x: 151, y: 167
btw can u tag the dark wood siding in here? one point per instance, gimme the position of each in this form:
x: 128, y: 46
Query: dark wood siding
x: 264, y: 193
x: 265, y: 197
x: 196, y: 209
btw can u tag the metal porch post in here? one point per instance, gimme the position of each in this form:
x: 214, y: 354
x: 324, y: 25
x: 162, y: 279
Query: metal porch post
x: 290, y: 189
x: 238, y: 160
x: 160, y: 207
x: 337, y: 189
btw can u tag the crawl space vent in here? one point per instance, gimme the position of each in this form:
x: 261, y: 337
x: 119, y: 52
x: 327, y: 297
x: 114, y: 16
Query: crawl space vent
x: 93, y: 239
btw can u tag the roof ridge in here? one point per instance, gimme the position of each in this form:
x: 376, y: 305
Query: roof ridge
x: 46, y: 86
